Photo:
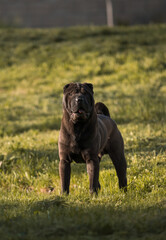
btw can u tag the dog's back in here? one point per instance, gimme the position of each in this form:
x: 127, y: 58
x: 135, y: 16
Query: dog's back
x: 102, y: 109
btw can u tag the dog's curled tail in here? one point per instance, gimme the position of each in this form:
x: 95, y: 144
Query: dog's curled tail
x: 102, y: 109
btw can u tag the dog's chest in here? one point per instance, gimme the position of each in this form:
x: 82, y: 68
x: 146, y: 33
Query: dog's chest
x: 76, y: 148
x: 75, y: 145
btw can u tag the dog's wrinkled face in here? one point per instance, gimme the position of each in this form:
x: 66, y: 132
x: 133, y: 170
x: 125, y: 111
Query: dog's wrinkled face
x: 78, y: 101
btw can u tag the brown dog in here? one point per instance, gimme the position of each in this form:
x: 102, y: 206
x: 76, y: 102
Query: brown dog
x: 87, y: 133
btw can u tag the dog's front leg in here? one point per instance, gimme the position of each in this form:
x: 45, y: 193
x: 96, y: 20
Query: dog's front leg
x: 93, y: 172
x: 64, y: 172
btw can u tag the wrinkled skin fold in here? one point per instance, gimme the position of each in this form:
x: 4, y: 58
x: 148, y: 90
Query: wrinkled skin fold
x: 87, y: 133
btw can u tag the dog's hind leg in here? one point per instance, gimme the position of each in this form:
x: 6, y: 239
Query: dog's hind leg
x: 116, y: 153
x: 119, y: 162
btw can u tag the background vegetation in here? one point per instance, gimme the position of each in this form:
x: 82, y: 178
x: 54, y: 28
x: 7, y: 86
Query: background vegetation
x: 127, y: 66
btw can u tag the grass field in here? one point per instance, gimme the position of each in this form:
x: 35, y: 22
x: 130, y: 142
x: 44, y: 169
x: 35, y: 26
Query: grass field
x: 127, y: 66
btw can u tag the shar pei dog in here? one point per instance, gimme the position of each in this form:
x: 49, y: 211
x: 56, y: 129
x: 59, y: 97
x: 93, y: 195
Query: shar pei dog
x: 87, y: 133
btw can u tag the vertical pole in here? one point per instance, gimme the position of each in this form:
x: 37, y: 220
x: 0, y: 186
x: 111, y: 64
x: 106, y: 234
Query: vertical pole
x: 109, y: 12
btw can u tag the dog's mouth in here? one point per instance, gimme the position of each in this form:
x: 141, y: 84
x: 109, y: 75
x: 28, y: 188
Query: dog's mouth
x: 79, y: 111
x: 79, y: 115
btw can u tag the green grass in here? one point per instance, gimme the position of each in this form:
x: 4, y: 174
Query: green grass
x: 127, y: 66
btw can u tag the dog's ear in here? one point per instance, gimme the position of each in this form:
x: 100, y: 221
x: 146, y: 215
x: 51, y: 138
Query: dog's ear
x: 89, y: 86
x: 65, y: 87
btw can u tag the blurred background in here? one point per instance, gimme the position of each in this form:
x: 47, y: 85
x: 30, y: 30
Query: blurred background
x: 63, y: 13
